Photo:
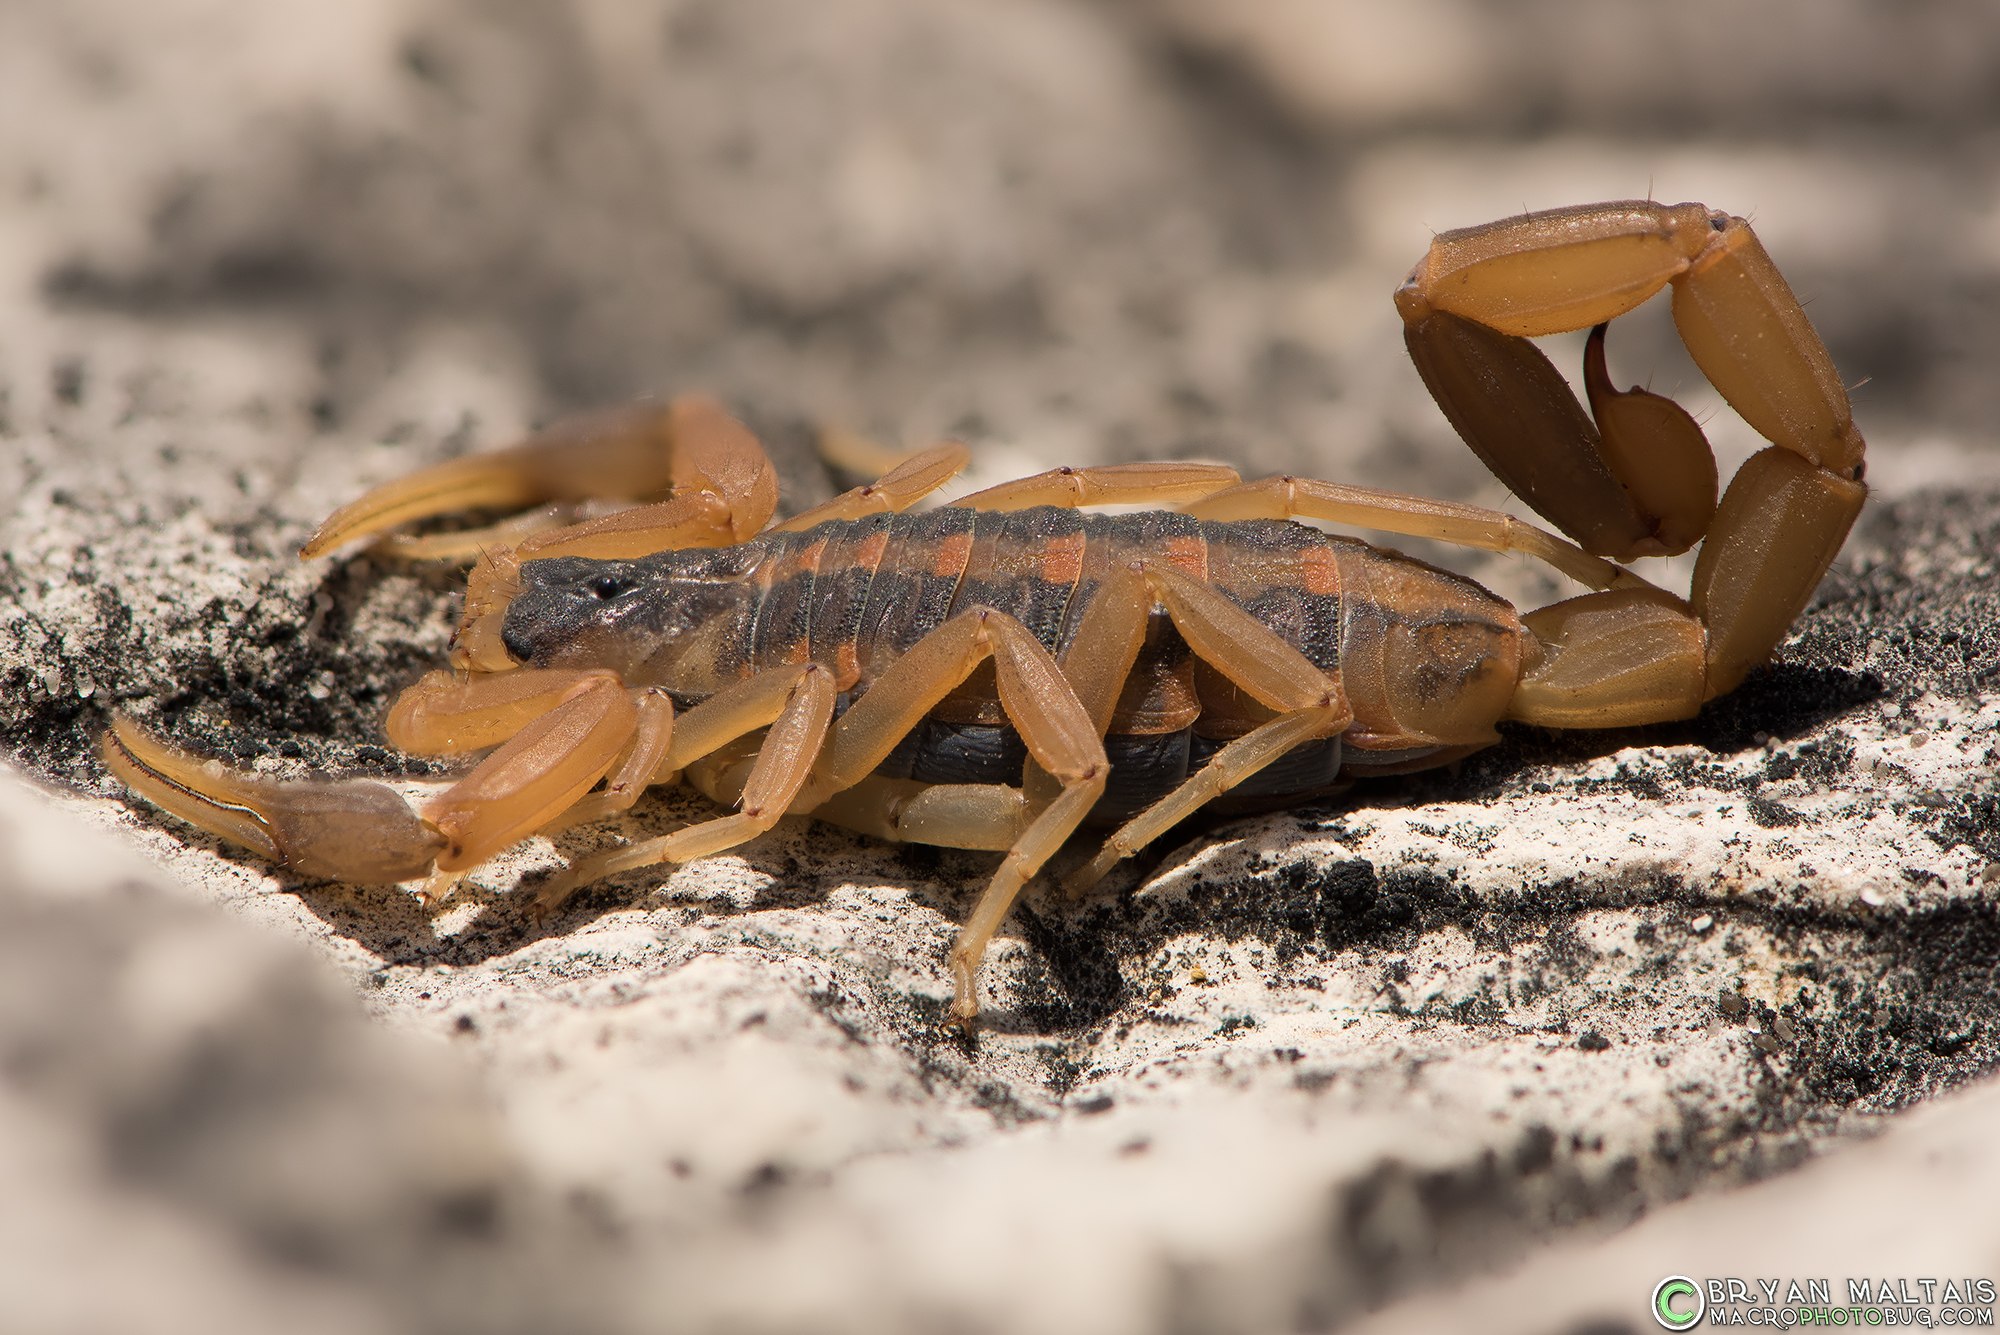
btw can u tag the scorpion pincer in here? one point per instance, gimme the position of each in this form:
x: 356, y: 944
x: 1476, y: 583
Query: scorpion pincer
x: 1001, y: 671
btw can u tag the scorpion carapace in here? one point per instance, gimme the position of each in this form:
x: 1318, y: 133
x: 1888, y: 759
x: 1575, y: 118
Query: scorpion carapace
x: 1004, y: 671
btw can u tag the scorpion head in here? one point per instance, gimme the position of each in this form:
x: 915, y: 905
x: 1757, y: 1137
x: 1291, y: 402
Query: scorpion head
x: 571, y: 611
x: 663, y: 619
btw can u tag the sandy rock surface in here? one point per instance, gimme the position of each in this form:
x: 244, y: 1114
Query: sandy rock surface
x: 1406, y: 1061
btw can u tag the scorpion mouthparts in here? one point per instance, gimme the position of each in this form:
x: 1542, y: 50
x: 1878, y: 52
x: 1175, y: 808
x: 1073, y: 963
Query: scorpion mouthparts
x: 480, y: 645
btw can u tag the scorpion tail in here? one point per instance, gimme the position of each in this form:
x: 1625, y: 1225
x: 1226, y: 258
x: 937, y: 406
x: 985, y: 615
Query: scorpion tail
x: 358, y: 830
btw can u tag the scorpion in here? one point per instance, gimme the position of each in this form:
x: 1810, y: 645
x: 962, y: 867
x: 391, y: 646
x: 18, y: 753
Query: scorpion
x: 1000, y: 671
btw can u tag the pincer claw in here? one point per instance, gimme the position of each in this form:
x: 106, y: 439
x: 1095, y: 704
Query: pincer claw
x: 355, y: 830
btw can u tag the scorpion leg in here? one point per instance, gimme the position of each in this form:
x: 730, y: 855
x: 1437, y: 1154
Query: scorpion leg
x: 1413, y: 516
x: 721, y: 486
x: 1213, y: 491
x: 1105, y: 484
x: 1041, y: 705
x: 988, y: 817
x: 795, y: 703
x: 901, y: 487
x: 1096, y: 662
x: 1310, y: 703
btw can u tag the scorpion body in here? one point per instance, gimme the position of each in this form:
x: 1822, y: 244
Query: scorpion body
x: 855, y: 595
x: 1005, y: 670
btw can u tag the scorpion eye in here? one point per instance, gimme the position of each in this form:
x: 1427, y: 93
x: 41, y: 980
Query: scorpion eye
x: 607, y: 587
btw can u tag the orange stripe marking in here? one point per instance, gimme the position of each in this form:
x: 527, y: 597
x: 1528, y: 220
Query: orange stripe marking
x: 1062, y: 559
x: 804, y: 561
x: 1319, y: 570
x: 868, y: 552
x: 1190, y: 554
x: 949, y: 558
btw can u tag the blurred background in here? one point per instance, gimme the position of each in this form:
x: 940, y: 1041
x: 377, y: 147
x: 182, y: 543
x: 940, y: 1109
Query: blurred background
x: 1110, y: 229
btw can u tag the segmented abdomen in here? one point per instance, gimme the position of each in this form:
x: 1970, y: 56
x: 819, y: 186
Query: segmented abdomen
x: 855, y: 595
